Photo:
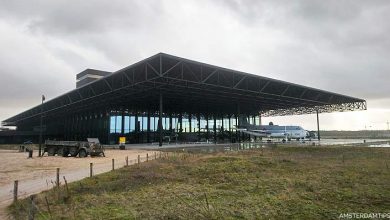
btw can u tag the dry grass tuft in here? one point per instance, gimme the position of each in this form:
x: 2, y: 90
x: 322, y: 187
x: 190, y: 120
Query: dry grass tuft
x: 283, y: 182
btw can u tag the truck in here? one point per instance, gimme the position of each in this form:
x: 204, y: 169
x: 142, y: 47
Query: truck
x: 90, y: 147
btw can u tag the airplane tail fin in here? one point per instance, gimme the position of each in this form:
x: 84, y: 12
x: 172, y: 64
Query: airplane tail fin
x: 242, y: 121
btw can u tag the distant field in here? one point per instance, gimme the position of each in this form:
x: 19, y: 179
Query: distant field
x: 368, y: 134
x: 281, y: 183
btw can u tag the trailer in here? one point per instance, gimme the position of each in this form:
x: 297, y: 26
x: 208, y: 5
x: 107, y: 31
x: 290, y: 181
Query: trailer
x: 90, y: 147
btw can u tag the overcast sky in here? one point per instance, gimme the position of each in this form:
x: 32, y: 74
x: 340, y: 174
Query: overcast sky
x: 340, y: 46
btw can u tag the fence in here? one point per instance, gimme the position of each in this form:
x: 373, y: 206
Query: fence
x: 114, y: 165
x: 92, y: 172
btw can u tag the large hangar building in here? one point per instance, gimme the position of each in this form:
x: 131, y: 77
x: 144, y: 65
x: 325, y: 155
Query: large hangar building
x: 168, y: 97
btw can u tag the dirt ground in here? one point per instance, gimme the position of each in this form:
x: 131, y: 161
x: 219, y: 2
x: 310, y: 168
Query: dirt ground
x: 38, y: 174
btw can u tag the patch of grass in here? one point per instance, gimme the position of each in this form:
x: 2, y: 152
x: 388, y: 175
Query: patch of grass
x: 282, y: 182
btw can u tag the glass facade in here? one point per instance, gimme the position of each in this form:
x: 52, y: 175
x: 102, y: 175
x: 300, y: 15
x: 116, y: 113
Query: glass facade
x: 135, y: 127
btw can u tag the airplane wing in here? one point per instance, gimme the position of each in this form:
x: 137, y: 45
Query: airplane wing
x: 256, y: 134
x: 261, y: 131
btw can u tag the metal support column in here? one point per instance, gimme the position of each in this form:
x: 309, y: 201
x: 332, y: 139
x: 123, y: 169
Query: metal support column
x: 238, y: 137
x: 136, y: 126
x: 230, y: 128
x: 76, y: 127
x: 180, y: 123
x: 222, y: 129
x: 198, y: 117
x: 254, y: 123
x: 71, y: 130
x: 189, y: 121
x: 80, y: 127
x: 215, y: 128
x: 83, y: 122
x: 148, y: 129
x: 207, y: 127
x: 100, y: 126
x: 170, y: 123
x: 107, y: 125
x: 238, y: 123
x: 93, y: 125
x: 65, y: 129
x: 318, y: 126
x: 160, y: 127
x: 40, y: 129
x: 123, y: 122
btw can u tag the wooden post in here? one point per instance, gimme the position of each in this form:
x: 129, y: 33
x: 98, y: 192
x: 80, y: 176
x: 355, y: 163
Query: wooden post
x: 147, y: 157
x: 31, y: 212
x: 127, y: 160
x: 139, y: 159
x: 66, y: 185
x: 48, y: 206
x: 155, y: 155
x: 113, y: 163
x: 90, y: 169
x: 15, y: 190
x: 58, y: 177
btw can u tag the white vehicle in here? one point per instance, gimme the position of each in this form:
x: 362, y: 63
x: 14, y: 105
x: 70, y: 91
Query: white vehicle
x: 273, y: 131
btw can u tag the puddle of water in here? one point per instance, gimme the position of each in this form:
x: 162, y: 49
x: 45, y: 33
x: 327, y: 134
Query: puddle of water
x: 380, y: 145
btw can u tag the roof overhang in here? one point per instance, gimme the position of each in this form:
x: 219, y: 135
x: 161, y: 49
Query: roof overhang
x: 193, y: 86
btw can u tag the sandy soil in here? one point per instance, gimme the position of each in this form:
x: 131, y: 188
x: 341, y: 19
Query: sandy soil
x: 37, y: 174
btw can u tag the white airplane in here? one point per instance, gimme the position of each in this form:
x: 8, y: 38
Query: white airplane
x: 273, y: 131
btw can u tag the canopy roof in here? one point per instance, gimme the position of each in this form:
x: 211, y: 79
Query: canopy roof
x: 194, y: 86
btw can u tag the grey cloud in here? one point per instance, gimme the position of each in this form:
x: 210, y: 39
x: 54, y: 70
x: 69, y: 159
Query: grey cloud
x: 82, y: 17
x: 341, y: 46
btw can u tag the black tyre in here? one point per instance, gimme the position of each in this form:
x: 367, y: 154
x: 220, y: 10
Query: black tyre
x: 62, y: 151
x: 65, y: 152
x: 59, y: 151
x: 93, y: 154
x: 73, y: 151
x: 51, y: 151
x: 82, y: 153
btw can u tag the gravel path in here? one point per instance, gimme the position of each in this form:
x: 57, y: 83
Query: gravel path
x: 39, y: 174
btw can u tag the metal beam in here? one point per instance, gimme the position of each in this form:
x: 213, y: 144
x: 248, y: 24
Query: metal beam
x: 79, y: 93
x: 191, y: 72
x: 108, y: 84
x: 265, y: 86
x: 208, y: 77
x: 166, y: 72
x: 154, y: 70
x: 239, y: 82
x: 93, y: 91
x: 303, y: 93
x: 70, y: 100
x: 284, y: 92
x: 127, y: 77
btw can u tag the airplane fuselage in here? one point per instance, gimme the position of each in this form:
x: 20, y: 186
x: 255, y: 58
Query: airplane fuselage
x: 274, y: 131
